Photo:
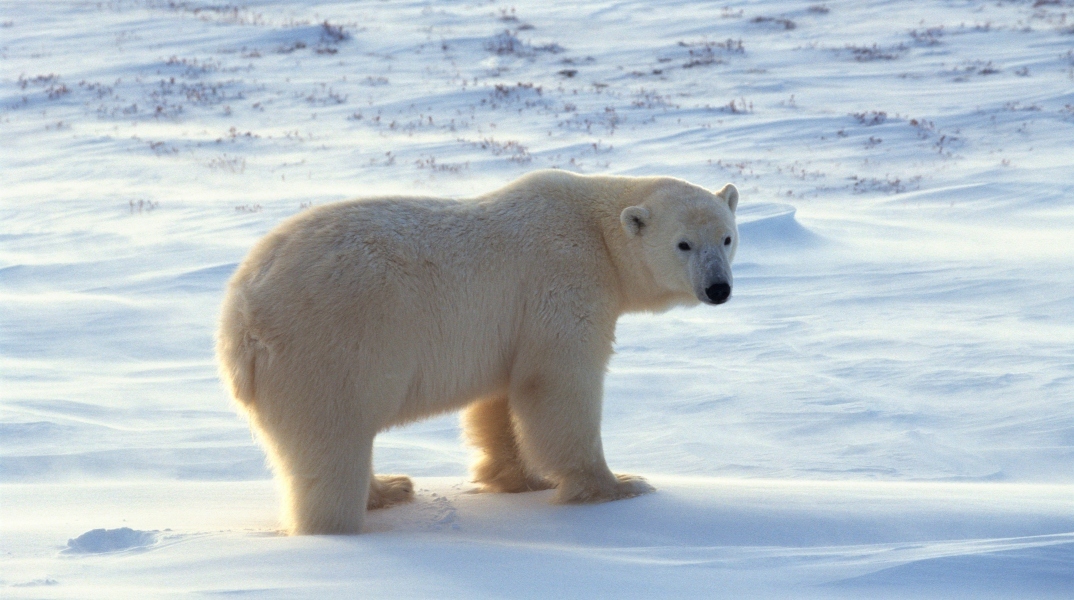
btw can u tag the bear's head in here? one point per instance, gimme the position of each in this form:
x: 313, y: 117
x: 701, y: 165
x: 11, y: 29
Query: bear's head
x: 687, y: 238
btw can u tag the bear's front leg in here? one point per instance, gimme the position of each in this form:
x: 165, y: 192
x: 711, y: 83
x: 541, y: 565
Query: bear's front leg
x: 558, y: 408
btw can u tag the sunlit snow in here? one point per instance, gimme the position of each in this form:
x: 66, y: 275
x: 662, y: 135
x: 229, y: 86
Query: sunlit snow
x: 885, y: 408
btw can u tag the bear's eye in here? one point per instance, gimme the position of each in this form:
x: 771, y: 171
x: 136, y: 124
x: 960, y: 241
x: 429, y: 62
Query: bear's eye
x: 727, y: 241
x: 685, y: 247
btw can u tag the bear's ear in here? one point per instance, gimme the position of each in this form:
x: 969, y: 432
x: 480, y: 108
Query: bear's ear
x: 730, y: 194
x: 634, y: 219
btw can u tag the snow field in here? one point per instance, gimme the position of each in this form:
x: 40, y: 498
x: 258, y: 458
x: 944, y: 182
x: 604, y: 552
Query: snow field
x: 884, y: 409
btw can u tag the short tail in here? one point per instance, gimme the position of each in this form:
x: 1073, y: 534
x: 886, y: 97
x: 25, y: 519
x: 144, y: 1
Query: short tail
x: 237, y: 348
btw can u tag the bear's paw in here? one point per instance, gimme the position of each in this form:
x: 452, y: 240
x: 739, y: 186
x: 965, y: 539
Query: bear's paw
x: 389, y: 490
x: 621, y: 487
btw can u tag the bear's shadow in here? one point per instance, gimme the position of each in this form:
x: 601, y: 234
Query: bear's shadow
x: 705, y: 515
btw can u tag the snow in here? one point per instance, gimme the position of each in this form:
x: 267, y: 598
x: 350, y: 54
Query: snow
x: 110, y: 540
x: 885, y: 408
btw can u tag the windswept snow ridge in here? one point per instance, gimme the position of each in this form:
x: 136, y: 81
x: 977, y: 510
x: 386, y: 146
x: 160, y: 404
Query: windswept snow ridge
x: 110, y: 540
x: 885, y: 408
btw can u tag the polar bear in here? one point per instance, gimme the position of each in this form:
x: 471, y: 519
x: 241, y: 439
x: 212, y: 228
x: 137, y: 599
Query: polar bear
x: 354, y: 317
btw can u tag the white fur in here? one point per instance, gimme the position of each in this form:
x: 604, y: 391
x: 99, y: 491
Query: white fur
x: 354, y: 317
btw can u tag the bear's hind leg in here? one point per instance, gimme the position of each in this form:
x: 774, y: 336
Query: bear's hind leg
x: 389, y: 490
x: 328, y: 487
x: 500, y: 468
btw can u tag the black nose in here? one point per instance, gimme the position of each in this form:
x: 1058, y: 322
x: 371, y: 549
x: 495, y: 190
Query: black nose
x: 718, y: 292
